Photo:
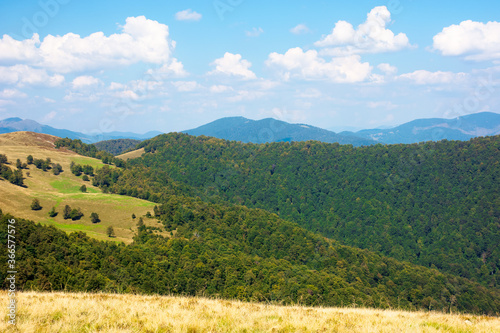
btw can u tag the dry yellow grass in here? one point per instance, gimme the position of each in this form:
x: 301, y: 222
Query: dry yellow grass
x: 132, y: 154
x: 72, y: 312
x: 63, y: 189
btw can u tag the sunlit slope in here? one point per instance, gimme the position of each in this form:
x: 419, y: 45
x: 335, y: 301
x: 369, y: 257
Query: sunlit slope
x: 64, y: 189
x: 71, y: 312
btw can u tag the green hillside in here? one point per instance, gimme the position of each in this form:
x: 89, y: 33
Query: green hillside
x: 434, y: 204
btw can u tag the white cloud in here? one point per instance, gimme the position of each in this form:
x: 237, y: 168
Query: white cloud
x: 186, y: 86
x: 22, y: 75
x: 370, y: 36
x: 233, y: 65
x: 12, y: 93
x: 49, y: 116
x: 85, y: 81
x: 387, y: 69
x: 141, y: 40
x: 220, y: 89
x: 246, y: 95
x: 13, y: 51
x: 300, y: 29
x: 474, y: 40
x: 422, y: 77
x: 187, y: 15
x: 173, y: 69
x: 256, y: 32
x: 308, y: 65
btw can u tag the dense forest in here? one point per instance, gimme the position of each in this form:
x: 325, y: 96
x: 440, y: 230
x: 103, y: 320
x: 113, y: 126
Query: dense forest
x: 434, y: 204
x: 238, y: 253
x: 117, y: 146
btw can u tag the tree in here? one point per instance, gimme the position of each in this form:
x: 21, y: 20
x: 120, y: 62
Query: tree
x: 76, y: 214
x: 52, y: 212
x: 83, y: 188
x: 19, y: 165
x: 17, y: 178
x: 110, y: 232
x: 29, y: 159
x: 148, y: 215
x: 133, y: 216
x: 35, y: 204
x: 56, y: 168
x: 94, y: 217
x: 140, y: 223
x: 3, y: 159
x: 67, y: 212
x: 85, y: 178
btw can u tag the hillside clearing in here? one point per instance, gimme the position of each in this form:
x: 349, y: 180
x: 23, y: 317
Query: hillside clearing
x: 64, y: 189
x: 74, y: 312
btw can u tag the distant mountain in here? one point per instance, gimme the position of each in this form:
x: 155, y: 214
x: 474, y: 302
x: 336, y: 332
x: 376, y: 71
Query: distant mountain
x: 272, y: 130
x: 17, y: 124
x: 435, y: 129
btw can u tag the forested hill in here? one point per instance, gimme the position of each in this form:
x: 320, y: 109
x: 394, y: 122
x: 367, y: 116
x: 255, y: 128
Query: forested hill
x: 434, y: 204
x: 118, y: 146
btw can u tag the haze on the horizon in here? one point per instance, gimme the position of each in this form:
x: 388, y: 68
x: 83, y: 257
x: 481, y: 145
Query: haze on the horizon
x: 169, y: 66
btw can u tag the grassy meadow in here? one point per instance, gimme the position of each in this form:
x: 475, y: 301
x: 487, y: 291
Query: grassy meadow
x: 64, y: 189
x: 81, y: 312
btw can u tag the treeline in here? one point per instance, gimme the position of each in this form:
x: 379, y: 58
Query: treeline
x: 89, y: 150
x: 118, y: 146
x: 234, y: 253
x: 434, y: 204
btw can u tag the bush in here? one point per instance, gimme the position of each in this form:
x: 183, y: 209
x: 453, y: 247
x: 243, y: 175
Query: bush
x: 35, y: 205
x: 29, y: 159
x: 94, y: 217
x: 83, y: 188
x: 110, y: 231
x: 85, y: 178
x: 52, y: 212
x: 67, y: 212
x: 76, y: 214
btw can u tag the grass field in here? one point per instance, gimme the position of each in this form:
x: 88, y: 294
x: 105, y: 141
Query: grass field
x: 64, y: 189
x: 70, y: 312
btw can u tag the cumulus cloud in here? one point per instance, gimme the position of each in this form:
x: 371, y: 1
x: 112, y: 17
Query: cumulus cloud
x: 422, y: 77
x: 187, y: 15
x: 217, y: 89
x: 233, y: 65
x: 300, y: 29
x: 475, y: 40
x: 296, y: 63
x: 186, y: 86
x: 256, y: 32
x: 12, y: 93
x: 174, y: 69
x: 141, y: 40
x: 387, y: 69
x: 372, y: 36
x: 85, y: 81
x: 22, y: 75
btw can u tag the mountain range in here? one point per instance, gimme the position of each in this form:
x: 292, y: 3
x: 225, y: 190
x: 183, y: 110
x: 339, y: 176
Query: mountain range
x: 272, y: 130
x: 15, y: 124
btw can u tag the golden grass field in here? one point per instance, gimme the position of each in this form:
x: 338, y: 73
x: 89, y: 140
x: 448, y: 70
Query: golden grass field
x: 63, y: 189
x: 73, y: 312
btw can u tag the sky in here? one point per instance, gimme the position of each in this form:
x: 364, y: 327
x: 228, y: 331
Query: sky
x: 101, y: 66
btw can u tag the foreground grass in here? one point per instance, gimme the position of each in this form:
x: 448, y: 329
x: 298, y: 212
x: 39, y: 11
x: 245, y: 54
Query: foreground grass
x: 72, y: 312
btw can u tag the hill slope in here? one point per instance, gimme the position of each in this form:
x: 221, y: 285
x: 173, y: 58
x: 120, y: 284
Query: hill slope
x: 73, y: 312
x: 63, y: 189
x: 434, y: 204
x: 271, y: 130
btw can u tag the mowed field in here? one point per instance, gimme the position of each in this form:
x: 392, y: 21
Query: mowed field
x: 64, y: 189
x: 83, y: 312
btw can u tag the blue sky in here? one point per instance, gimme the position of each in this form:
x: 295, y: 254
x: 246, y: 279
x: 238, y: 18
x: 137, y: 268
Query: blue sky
x: 98, y: 66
